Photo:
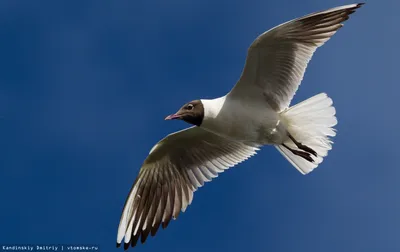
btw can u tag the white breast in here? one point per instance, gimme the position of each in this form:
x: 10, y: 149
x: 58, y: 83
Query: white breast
x: 248, y: 122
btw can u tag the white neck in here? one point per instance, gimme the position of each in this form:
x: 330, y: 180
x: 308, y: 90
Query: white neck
x: 212, y: 107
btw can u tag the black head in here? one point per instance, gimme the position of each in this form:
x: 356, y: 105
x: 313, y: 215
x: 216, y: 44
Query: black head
x: 192, y: 112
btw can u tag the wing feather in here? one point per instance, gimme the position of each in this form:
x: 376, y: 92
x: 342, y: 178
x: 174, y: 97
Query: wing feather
x: 174, y: 169
x: 277, y: 60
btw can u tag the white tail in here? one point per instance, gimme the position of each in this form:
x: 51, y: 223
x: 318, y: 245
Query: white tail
x: 310, y: 123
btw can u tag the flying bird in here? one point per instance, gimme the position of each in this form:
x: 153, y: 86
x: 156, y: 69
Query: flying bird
x: 230, y: 129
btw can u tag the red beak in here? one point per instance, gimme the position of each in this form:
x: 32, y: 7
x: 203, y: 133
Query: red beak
x: 172, y: 117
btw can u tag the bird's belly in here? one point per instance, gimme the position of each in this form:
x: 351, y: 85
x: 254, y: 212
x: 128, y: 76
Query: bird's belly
x: 264, y: 128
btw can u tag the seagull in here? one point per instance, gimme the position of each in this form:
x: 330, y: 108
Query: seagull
x: 230, y: 129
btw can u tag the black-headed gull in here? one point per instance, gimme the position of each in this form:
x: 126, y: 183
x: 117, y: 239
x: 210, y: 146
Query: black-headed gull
x: 230, y: 129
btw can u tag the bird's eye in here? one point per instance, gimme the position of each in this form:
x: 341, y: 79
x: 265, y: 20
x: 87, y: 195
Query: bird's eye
x: 189, y: 106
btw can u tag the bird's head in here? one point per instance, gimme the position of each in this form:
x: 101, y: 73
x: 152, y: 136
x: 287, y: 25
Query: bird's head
x: 192, y: 112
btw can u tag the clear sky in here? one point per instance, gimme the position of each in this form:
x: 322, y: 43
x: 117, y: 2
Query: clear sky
x: 85, y: 87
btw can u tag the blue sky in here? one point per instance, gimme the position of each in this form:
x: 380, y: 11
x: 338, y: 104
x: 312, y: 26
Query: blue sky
x: 84, y: 89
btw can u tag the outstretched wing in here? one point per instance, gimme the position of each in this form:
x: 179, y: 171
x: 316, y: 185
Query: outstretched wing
x: 174, y: 169
x: 277, y: 59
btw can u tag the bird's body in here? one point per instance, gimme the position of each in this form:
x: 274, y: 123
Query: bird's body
x: 230, y: 129
x: 230, y: 118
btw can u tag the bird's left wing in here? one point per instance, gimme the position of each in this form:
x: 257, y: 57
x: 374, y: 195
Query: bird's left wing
x: 174, y: 169
x: 277, y: 59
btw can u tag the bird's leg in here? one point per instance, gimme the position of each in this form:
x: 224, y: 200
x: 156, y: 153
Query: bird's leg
x: 300, y: 153
x: 302, y: 147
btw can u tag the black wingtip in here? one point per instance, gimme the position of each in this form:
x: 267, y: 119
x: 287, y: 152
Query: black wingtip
x: 359, y: 5
x: 164, y: 225
x: 154, y: 231
x: 134, y: 240
x: 126, y: 246
x: 118, y: 245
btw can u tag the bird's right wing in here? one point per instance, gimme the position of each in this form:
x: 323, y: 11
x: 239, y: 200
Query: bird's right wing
x: 277, y: 60
x: 174, y: 169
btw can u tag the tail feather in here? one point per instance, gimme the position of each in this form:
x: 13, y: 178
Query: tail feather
x: 311, y: 123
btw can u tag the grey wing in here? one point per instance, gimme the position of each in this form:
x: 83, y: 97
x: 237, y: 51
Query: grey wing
x: 174, y: 169
x: 277, y: 59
